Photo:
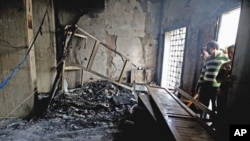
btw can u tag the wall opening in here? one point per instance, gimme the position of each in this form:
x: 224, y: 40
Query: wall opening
x: 174, y: 45
x: 228, y: 28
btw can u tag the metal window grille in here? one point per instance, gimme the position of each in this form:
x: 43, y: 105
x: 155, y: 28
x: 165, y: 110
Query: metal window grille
x: 175, y: 55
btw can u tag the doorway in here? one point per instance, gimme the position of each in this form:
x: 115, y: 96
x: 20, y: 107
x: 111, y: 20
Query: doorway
x: 228, y: 27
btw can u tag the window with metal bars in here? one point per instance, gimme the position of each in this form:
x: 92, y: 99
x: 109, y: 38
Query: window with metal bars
x: 173, y: 57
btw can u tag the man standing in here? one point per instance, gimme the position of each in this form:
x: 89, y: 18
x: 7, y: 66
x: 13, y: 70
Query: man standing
x: 207, y: 85
x: 224, y: 77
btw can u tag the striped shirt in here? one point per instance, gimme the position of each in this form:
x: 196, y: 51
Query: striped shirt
x: 211, y: 68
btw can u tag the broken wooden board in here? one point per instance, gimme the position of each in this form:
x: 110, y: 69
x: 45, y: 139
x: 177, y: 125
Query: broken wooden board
x: 184, y: 126
x: 195, y: 102
x: 146, y: 102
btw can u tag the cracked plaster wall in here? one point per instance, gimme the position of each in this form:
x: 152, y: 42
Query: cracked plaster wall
x: 129, y: 27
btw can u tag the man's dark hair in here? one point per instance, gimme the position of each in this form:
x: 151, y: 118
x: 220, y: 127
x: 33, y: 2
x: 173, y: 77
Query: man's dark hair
x: 213, y: 43
x: 230, y: 48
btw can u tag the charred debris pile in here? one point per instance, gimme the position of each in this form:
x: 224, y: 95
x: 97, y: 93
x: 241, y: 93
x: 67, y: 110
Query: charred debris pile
x: 95, y: 110
x: 96, y: 103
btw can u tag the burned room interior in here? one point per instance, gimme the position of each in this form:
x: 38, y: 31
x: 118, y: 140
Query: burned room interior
x: 117, y: 70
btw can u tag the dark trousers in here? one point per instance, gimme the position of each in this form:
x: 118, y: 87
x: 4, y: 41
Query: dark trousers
x: 221, y: 119
x: 222, y: 97
x: 207, y: 93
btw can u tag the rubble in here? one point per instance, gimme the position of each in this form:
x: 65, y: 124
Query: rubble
x: 93, y: 111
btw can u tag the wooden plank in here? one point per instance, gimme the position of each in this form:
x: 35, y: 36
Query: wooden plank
x: 146, y: 102
x: 166, y: 103
x: 122, y: 85
x: 62, y: 77
x: 183, y: 125
x: 181, y: 103
x: 92, y: 56
x: 123, y: 71
x: 82, y: 77
x: 78, y: 35
x: 188, y: 129
x: 71, y: 68
x: 89, y: 35
x: 195, y: 102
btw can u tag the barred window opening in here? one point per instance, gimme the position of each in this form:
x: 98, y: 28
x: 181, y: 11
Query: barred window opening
x: 173, y: 58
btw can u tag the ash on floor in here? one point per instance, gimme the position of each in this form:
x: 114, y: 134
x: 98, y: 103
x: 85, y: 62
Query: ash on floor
x: 98, y: 111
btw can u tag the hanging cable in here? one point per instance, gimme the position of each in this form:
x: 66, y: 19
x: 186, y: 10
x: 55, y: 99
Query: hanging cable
x: 17, y: 68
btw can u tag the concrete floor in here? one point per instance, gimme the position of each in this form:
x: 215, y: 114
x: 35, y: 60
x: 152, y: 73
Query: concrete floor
x: 139, y: 126
x: 80, y: 115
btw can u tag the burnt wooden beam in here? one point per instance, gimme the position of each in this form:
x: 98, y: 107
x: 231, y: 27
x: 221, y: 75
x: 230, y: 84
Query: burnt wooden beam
x: 123, y: 71
x: 92, y: 56
x: 195, y: 102
x: 177, y: 119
